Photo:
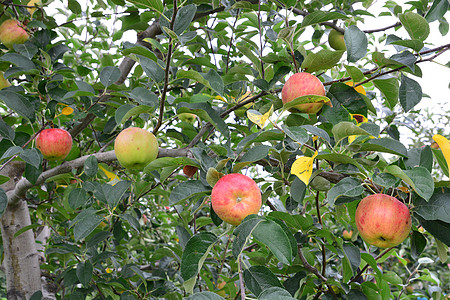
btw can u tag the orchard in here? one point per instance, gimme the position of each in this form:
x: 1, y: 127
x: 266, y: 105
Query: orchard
x: 194, y: 149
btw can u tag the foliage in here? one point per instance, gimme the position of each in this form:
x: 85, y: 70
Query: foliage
x: 121, y: 234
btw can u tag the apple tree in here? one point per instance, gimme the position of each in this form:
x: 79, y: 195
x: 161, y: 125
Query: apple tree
x: 206, y: 78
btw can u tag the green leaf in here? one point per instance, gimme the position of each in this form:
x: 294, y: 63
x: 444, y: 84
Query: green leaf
x: 410, y: 93
x: 243, y: 233
x: 6, y: 131
x: 245, y: 50
x: 386, y: 145
x: 26, y: 228
x: 206, y: 112
x: 356, y: 43
x: 19, y: 104
x: 416, y: 25
x: 423, y: 181
x: 298, y: 190
x: 109, y: 75
x: 318, y: 132
x: 215, y: 81
x: 259, y: 278
x: 319, y: 16
x: 11, y: 151
x: 205, y: 295
x: 144, y: 97
x: 151, y: 68
x: 345, y: 129
x: 186, y: 190
x: 298, y: 222
x: 418, y: 244
x: 84, y: 272
x: 193, y: 75
x: 437, y: 10
x: 84, y: 223
x: 156, y: 5
x: 91, y: 166
x: 194, y: 254
x: 439, y: 229
x: 277, y: 238
x: 114, y: 193
x: 78, y: 197
x: 349, y: 98
x: 370, y: 260
x: 296, y: 133
x: 351, y: 261
x: 442, y: 251
x: 355, y: 73
x: 126, y: 111
x: 32, y: 156
x: 184, y: 17
x: 275, y: 293
x: 322, y: 60
x: 441, y: 160
x: 340, y: 158
x: 164, y: 162
x: 256, y: 153
x: 413, y: 44
x: 437, y: 208
x: 390, y: 89
x: 74, y: 6
x: 348, y: 188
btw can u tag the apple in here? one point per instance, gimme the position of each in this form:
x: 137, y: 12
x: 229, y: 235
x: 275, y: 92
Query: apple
x: 302, y: 84
x: 12, y: 32
x: 235, y: 196
x: 347, y: 234
x: 189, y: 171
x: 3, y: 82
x: 336, y: 40
x: 54, y: 143
x: 187, y: 117
x: 382, y: 220
x: 135, y: 148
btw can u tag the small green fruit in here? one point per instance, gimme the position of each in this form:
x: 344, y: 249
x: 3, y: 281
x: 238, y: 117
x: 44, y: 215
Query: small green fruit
x: 336, y: 40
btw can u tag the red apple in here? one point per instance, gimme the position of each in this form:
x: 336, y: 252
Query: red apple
x: 12, y: 32
x: 234, y: 197
x: 302, y: 84
x: 336, y: 40
x: 54, y: 143
x: 347, y: 234
x: 135, y: 148
x: 382, y: 220
x: 189, y: 171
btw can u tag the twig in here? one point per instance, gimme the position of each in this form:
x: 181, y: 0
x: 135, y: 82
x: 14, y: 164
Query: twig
x: 367, y: 266
x: 308, y: 266
x: 167, y: 71
x: 241, y: 278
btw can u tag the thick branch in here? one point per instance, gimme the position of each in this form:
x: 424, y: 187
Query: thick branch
x: 24, y: 185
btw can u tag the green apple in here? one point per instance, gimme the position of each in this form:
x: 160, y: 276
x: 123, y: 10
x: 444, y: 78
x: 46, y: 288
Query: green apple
x: 12, y: 32
x: 187, y: 117
x: 135, y: 148
x: 336, y: 40
x: 382, y: 220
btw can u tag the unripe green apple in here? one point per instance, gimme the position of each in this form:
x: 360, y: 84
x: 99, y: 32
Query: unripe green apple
x: 302, y: 84
x: 11, y: 32
x: 336, y: 40
x: 187, y: 117
x: 135, y: 148
x: 54, y: 143
x: 382, y: 220
x: 3, y: 82
x: 234, y: 197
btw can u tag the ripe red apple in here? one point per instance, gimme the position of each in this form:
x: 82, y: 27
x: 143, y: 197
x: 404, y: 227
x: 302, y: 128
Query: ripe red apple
x: 54, y: 143
x: 302, y: 84
x: 382, y: 220
x: 189, y: 171
x: 347, y: 234
x: 135, y: 148
x: 336, y: 40
x: 234, y: 197
x: 12, y: 32
x: 3, y: 82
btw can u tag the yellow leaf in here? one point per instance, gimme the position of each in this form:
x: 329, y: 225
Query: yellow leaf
x: 244, y: 96
x: 109, y: 270
x: 31, y: 10
x: 259, y: 119
x: 360, y: 89
x: 303, y: 167
x: 113, y: 178
x: 351, y: 138
x: 444, y: 144
x: 359, y: 118
x: 220, y: 98
x: 67, y: 111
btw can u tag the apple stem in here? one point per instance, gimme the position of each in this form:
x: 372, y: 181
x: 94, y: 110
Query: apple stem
x: 241, y: 278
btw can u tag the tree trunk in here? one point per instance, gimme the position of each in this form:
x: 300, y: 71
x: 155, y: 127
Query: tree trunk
x: 21, y: 262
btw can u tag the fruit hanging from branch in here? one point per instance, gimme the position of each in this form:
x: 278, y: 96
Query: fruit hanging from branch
x: 135, y: 148
x: 12, y: 32
x: 336, y: 40
x: 304, y: 84
x: 54, y: 143
x: 383, y: 220
x: 234, y: 197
